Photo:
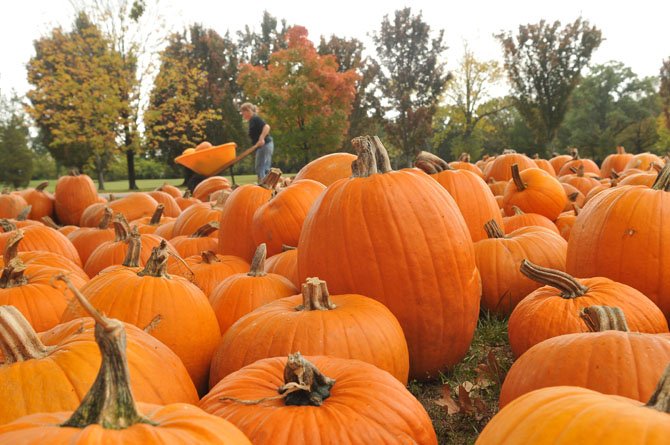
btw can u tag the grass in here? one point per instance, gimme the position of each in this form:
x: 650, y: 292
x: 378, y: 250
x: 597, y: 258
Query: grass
x: 143, y: 184
x: 480, y: 373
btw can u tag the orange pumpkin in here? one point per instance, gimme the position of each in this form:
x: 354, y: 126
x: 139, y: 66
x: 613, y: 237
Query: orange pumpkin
x: 501, y: 168
x: 521, y: 219
x: 170, y: 190
x: 615, y: 162
x: 576, y: 162
x: 170, y: 207
x: 328, y: 168
x: 87, y: 239
x: 285, y: 264
x: 133, y: 206
x: 210, y: 185
x: 644, y: 161
x: 196, y: 216
x: 72, y: 195
x: 207, y: 269
x: 534, y: 191
x: 11, y: 204
x: 198, y: 241
x: 41, y: 202
x: 40, y: 237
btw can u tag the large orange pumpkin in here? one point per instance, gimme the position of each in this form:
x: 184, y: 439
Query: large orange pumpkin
x: 208, y: 269
x: 327, y: 401
x: 315, y: 323
x: 534, y: 191
x: 87, y: 239
x: 72, y: 195
x: 398, y: 237
x: 40, y: 237
x: 501, y: 168
x: 41, y: 202
x: 285, y: 264
x: 11, y: 204
x: 615, y: 162
x: 328, y: 168
x: 210, y: 185
x: 133, y: 206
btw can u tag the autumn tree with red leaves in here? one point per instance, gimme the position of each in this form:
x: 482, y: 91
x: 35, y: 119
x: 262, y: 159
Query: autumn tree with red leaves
x: 303, y: 96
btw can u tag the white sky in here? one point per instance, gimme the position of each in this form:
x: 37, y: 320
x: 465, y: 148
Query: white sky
x: 635, y: 32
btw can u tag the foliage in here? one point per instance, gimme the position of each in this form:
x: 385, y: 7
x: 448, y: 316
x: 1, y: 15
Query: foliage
x: 78, y: 95
x: 611, y: 107
x: 145, y: 168
x: 16, y: 164
x: 366, y: 115
x: 173, y: 121
x: 256, y: 48
x: 412, y: 78
x: 664, y: 91
x: 303, y: 97
x: 544, y: 64
x: 469, y: 104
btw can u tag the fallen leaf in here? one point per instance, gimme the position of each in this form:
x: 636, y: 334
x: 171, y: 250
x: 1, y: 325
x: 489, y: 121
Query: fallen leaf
x: 447, y: 402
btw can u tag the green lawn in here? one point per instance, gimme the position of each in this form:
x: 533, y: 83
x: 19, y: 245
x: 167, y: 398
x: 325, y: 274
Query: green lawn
x: 145, y: 184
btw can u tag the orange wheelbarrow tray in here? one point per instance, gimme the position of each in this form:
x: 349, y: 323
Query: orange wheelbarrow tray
x: 208, y: 161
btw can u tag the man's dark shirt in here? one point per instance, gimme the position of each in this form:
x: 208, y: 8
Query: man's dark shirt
x: 256, y: 124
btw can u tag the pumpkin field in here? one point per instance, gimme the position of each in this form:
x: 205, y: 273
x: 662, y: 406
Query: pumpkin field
x: 504, y: 301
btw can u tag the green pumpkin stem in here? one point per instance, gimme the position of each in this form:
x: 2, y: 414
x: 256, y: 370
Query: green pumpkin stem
x: 307, y: 385
x: 493, y: 230
x: 204, y: 230
x: 604, y: 318
x: 315, y: 296
x: 567, y: 284
x: 157, y: 263
x: 109, y: 403
x: 258, y: 262
x: 271, y: 179
x: 660, y: 399
x: 372, y: 157
x: 663, y: 179
x: 12, y: 274
x: 516, y: 177
x: 18, y: 340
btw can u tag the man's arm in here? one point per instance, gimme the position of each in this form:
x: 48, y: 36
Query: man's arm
x: 264, y: 133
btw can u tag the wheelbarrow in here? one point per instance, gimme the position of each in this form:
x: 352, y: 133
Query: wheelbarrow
x: 212, y: 161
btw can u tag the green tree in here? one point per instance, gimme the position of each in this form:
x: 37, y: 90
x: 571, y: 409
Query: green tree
x: 256, y: 47
x: 305, y: 98
x: 470, y: 102
x: 15, y: 156
x: 173, y: 121
x: 664, y: 91
x: 544, y: 64
x: 507, y: 130
x: 366, y: 115
x: 412, y: 79
x: 77, y: 98
x: 611, y: 106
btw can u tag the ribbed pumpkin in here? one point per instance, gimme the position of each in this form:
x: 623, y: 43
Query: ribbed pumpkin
x: 207, y: 270
x: 499, y: 258
x: 463, y: 163
x: 339, y: 402
x: 554, y: 308
x: 497, y: 187
x: 196, y: 216
x: 171, y: 208
x: 622, y: 234
x: 108, y: 413
x: 11, y: 204
x: 170, y: 190
x: 64, y: 361
x: 186, y: 200
x: 150, y: 224
x: 534, y: 191
x: 568, y: 415
x: 643, y: 178
x: 235, y: 223
x: 65, y: 230
x: 521, y: 219
x: 615, y: 162
x: 328, y: 168
x: 575, y: 163
x: 209, y: 186
x: 87, y: 239
x: 285, y: 264
x: 198, y: 241
x: 315, y: 323
x: 544, y: 164
x: 133, y: 206
x: 241, y: 293
x: 566, y: 220
x: 39, y: 237
x: 574, y: 196
x: 72, y: 195
x: 41, y: 202
x: 170, y: 308
x: 580, y: 180
x: 501, y: 168
x: 610, y: 359
x: 643, y: 161
x: 279, y: 221
x: 398, y: 237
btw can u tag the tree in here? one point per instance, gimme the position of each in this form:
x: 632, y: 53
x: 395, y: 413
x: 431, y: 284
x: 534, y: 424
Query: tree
x: 366, y: 116
x: 136, y: 31
x: 305, y: 98
x: 77, y: 98
x: 664, y: 91
x: 412, y: 79
x: 15, y: 157
x: 470, y: 102
x: 173, y: 121
x: 256, y: 48
x: 611, y: 107
x: 544, y: 64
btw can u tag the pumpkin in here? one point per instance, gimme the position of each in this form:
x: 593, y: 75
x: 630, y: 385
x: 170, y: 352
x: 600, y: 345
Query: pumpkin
x: 557, y: 161
x: 534, y: 191
x: 609, y: 359
x: 165, y: 306
x: 279, y: 220
x: 41, y: 202
x: 581, y: 181
x: 108, y: 412
x: 133, y: 206
x: 285, y: 263
x: 87, y: 239
x: 65, y: 230
x: 196, y: 216
x: 186, y: 200
x: 544, y: 164
x: 567, y: 415
x: 521, y: 219
x: 327, y: 169
x: 198, y: 241
x: 644, y: 161
x: 566, y: 220
x: 241, y: 293
x: 499, y: 257
x: 397, y: 237
x: 325, y: 400
x: 237, y: 215
x: 315, y: 323
x: 497, y: 187
x: 209, y: 186
x: 463, y: 163
x: 576, y: 162
x: 170, y: 190
x: 40, y: 237
x: 501, y: 168
x: 622, y: 234
x: 575, y: 197
x: 646, y: 178
x: 149, y: 224
x: 615, y: 162
x: 554, y: 308
x: 72, y: 195
x: 208, y: 269
x: 170, y: 207
x: 11, y: 204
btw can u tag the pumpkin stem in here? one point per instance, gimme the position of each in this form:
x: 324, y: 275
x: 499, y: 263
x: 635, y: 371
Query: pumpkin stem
x: 315, y: 296
x: 517, y: 210
x: 258, y: 261
x: 567, y: 284
x: 430, y: 163
x: 464, y: 157
x: 604, y: 318
x: 121, y: 227
x: 574, y: 152
x: 49, y: 222
x: 285, y: 247
x: 516, y: 177
x: 576, y: 208
x: 41, y: 186
x: 301, y: 371
x: 134, y: 242
x: 620, y: 150
x: 157, y: 263
x: 106, y: 218
x: 187, y: 194
x: 493, y: 230
x: 204, y: 230
x: 24, y: 213
x: 220, y: 200
x: 18, y: 340
x: 12, y: 246
x: 614, y: 175
x: 663, y: 179
x: 660, y: 399
x: 372, y: 157
x: 271, y: 179
x: 7, y: 225
x: 157, y: 215
x: 209, y: 257
x: 109, y: 403
x: 572, y: 197
x: 12, y: 274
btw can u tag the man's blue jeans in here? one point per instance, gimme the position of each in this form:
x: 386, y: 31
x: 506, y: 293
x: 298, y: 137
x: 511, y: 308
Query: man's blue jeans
x: 264, y: 159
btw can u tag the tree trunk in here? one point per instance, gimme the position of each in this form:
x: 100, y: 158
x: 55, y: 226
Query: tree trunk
x: 99, y: 170
x: 130, y: 157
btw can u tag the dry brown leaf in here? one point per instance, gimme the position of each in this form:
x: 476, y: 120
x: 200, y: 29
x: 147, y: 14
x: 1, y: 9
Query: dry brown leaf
x: 447, y: 402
